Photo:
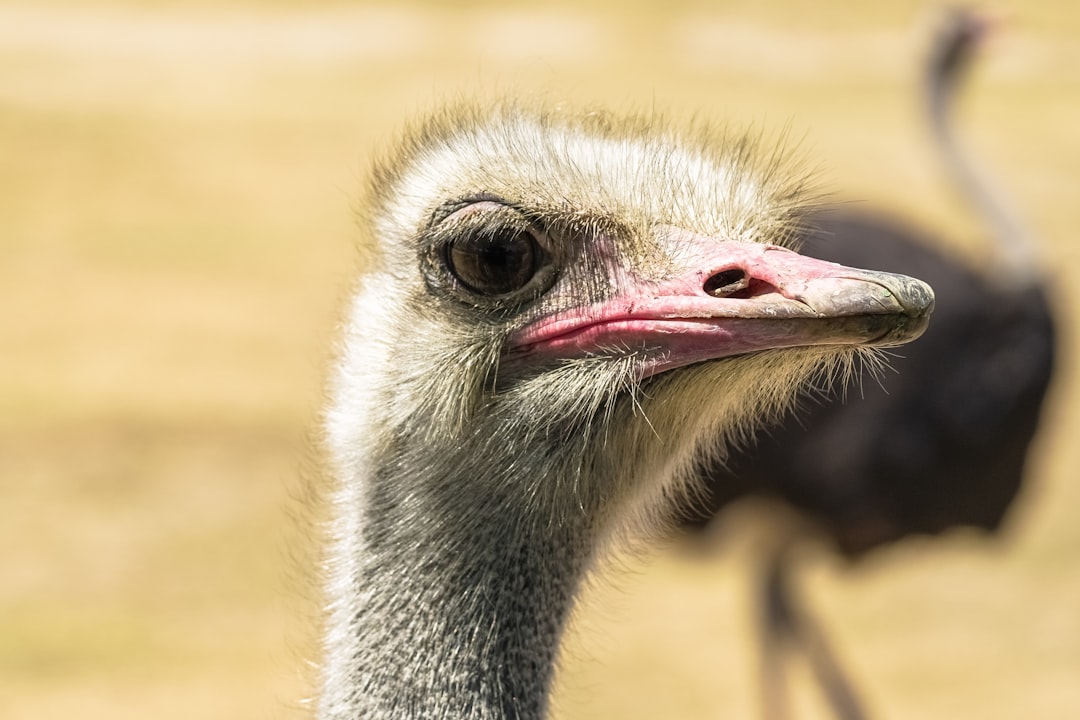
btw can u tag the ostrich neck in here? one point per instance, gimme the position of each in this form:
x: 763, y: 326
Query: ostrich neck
x: 1012, y: 244
x: 454, y: 602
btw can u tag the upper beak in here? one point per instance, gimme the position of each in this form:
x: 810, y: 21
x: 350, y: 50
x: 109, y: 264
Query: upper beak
x: 739, y: 297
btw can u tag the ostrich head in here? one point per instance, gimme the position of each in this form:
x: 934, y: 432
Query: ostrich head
x: 559, y: 317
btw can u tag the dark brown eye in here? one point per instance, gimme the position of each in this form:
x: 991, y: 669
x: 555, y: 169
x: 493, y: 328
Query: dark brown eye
x: 496, y: 261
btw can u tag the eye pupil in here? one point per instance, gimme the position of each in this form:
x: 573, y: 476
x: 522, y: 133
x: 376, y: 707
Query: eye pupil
x: 494, y: 263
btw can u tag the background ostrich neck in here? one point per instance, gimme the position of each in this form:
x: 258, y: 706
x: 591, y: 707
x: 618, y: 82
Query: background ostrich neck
x: 1012, y: 244
x: 461, y: 595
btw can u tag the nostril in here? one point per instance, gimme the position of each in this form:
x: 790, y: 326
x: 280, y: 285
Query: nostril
x: 726, y: 283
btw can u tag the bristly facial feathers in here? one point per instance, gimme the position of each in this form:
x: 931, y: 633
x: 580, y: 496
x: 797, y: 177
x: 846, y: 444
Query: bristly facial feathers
x: 596, y: 171
x: 597, y: 179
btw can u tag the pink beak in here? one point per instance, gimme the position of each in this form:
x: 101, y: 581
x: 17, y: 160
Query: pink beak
x: 741, y: 298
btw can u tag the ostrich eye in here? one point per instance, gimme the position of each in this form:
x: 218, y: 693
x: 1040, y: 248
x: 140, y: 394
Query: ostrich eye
x: 495, y: 261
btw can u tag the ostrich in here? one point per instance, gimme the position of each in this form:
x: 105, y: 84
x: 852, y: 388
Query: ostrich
x: 560, y: 315
x: 940, y: 443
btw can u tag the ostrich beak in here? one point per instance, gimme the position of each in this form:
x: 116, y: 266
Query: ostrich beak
x: 737, y: 298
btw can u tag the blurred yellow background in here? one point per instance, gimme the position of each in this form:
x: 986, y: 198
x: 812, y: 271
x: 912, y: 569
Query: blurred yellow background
x: 177, y: 181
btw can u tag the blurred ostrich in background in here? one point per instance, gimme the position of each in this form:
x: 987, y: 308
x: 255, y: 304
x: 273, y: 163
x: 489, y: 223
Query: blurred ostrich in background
x: 940, y: 442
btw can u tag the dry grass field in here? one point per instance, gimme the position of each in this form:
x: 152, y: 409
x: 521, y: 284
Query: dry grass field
x: 176, y: 187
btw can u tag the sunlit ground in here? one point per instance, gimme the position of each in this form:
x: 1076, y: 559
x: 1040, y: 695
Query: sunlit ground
x: 176, y: 193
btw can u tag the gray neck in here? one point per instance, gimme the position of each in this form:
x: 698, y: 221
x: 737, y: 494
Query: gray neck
x: 456, y: 601
x: 1014, y: 249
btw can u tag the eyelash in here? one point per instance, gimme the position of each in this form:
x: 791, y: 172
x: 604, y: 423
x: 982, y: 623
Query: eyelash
x: 492, y: 264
